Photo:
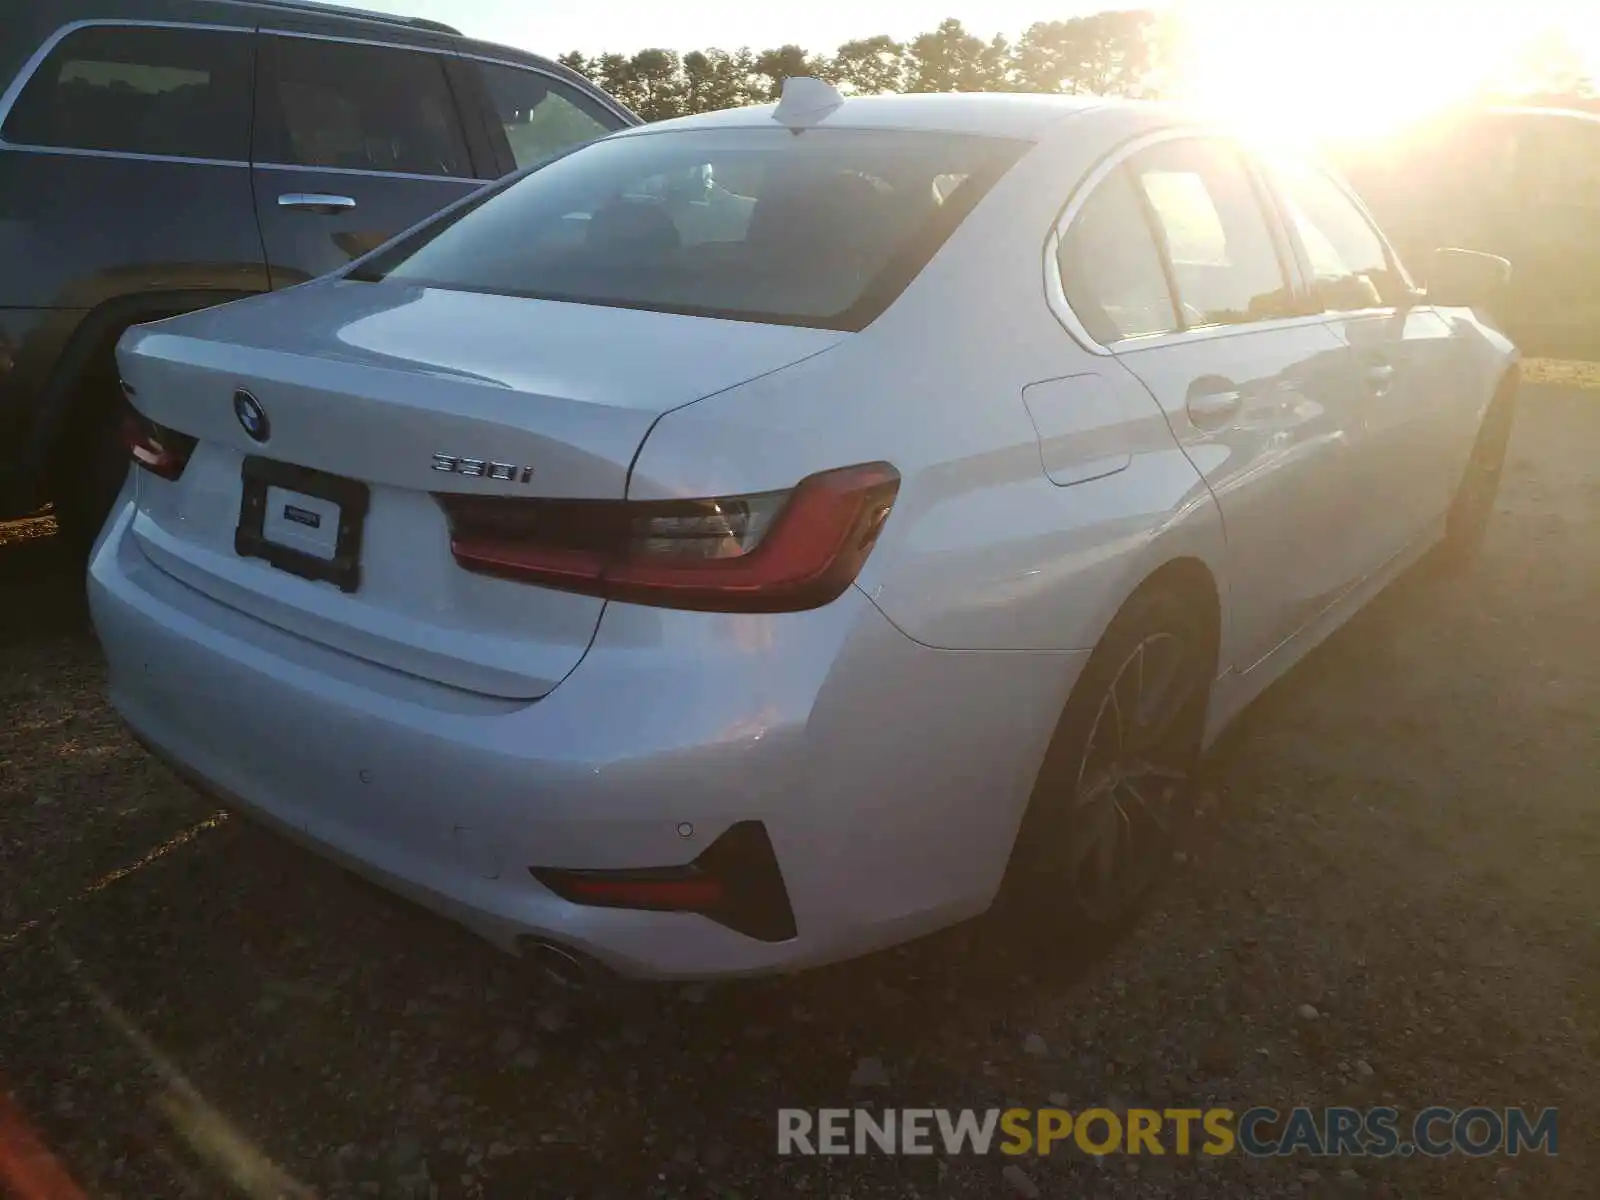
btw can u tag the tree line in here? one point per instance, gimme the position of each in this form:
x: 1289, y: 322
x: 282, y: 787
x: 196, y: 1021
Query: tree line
x: 1129, y: 53
x: 1108, y: 54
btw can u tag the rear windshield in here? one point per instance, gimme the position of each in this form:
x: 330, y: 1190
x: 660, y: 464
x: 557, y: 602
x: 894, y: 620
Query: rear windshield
x: 824, y: 228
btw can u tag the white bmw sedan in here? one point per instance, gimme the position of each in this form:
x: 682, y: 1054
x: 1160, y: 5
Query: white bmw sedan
x: 754, y: 539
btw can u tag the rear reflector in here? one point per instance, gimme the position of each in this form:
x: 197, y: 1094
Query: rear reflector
x: 693, y: 894
x: 766, y: 552
x: 735, y: 882
x: 159, y: 450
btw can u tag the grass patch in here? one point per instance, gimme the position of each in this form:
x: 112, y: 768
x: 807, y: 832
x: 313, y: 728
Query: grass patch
x: 1562, y: 373
x: 26, y: 530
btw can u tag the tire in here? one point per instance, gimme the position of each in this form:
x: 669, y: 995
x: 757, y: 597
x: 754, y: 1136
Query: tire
x: 89, y: 469
x: 1115, y: 786
x: 1473, y: 505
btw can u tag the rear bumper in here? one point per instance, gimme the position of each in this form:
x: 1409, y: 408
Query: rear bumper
x: 888, y: 776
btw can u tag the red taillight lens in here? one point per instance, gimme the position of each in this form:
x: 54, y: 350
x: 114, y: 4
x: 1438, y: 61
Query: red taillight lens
x: 769, y: 552
x: 159, y: 450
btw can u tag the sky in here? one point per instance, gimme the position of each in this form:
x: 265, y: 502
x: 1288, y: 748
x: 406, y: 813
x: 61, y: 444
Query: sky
x: 1371, y: 55
x: 553, y: 27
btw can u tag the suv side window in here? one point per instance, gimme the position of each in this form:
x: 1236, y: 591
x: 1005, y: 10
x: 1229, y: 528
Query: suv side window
x: 363, y: 108
x: 535, y: 116
x: 1218, y: 244
x: 1350, y: 267
x: 1111, y: 271
x: 180, y: 93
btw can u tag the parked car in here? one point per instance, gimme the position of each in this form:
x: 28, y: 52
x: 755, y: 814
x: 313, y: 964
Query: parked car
x: 753, y: 539
x: 1522, y: 183
x: 159, y: 156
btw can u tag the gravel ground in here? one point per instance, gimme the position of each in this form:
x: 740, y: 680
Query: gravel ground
x: 1405, y: 836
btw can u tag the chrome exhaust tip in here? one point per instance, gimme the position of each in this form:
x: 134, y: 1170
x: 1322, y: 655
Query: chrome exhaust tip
x: 567, y: 969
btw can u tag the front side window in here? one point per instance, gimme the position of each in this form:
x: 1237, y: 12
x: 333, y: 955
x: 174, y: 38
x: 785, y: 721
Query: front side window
x: 540, y: 116
x: 825, y: 228
x: 362, y: 108
x: 1219, y: 247
x: 179, y: 93
x: 1111, y: 272
x: 1350, y: 267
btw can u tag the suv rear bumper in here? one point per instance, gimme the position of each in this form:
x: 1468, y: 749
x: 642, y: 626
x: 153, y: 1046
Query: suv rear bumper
x: 889, y: 777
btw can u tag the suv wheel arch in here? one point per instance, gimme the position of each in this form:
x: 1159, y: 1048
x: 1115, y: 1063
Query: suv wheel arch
x: 65, y: 460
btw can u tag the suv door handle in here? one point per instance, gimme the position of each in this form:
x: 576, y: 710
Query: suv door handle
x: 1379, y: 379
x: 1213, y: 401
x: 315, y: 202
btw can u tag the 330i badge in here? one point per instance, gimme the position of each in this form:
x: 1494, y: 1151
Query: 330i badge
x: 480, y: 468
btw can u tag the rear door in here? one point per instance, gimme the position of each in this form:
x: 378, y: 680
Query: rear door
x: 1252, y: 388
x: 354, y: 144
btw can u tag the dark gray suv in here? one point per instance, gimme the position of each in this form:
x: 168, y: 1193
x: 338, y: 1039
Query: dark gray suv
x: 158, y: 156
x: 1523, y: 183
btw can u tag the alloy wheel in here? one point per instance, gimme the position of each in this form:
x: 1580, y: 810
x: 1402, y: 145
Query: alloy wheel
x: 1133, y: 774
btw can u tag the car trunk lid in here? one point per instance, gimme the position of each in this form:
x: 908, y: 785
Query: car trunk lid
x: 386, y: 395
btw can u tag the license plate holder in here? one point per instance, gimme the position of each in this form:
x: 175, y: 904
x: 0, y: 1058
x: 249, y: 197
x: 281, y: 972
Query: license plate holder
x: 250, y: 540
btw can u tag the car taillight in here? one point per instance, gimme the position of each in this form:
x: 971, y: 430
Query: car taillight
x: 767, y: 552
x: 159, y: 450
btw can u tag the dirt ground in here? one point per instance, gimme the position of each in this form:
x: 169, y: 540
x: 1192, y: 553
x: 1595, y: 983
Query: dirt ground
x: 1405, y: 837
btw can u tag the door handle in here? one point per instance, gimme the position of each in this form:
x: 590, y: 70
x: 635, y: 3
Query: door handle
x: 1379, y: 379
x: 315, y: 202
x: 1213, y: 402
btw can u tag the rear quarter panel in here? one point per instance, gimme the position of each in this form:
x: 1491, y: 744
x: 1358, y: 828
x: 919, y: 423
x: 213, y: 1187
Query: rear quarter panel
x: 983, y: 550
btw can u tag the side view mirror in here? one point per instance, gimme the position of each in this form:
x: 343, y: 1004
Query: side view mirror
x: 1466, y: 278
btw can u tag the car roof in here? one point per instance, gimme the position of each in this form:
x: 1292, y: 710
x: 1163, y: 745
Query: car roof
x: 1024, y: 116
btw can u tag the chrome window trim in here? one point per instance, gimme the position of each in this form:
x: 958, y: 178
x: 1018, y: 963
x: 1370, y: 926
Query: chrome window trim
x: 121, y: 155
x: 13, y: 93
x: 1055, y: 292
x: 1211, y: 333
x: 359, y: 171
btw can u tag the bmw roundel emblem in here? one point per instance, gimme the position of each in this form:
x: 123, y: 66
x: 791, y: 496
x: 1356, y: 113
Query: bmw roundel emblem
x: 252, y: 417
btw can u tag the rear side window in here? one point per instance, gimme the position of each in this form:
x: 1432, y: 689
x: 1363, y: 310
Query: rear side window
x: 360, y: 108
x: 1218, y: 243
x: 825, y: 228
x: 182, y: 93
x: 1111, y: 270
x: 539, y: 116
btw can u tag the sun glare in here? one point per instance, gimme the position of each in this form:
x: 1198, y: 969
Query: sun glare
x: 1310, y: 70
